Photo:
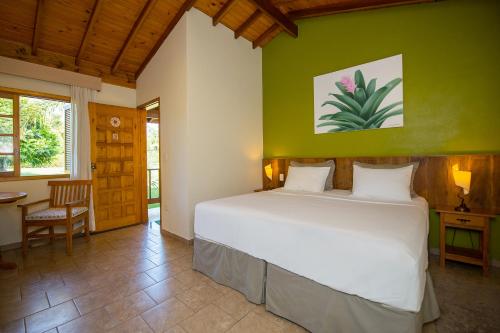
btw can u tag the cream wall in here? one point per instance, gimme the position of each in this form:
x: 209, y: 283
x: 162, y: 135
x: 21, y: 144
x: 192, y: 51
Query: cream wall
x: 10, y: 215
x: 165, y: 77
x: 210, y: 89
x: 225, y: 112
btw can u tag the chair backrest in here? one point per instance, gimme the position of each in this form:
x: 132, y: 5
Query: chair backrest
x: 64, y: 191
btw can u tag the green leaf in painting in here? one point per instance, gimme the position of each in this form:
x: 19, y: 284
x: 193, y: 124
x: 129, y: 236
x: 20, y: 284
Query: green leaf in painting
x: 343, y: 90
x: 348, y: 117
x: 360, y: 96
x: 379, y: 122
x: 378, y: 96
x: 370, y: 89
x: 381, y: 112
x: 340, y: 106
x: 359, y: 79
x: 340, y: 123
x: 355, y: 107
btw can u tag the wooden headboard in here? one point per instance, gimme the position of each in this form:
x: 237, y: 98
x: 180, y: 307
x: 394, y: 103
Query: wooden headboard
x: 433, y: 179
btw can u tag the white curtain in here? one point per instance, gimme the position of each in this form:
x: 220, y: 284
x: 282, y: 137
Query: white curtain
x: 80, y: 144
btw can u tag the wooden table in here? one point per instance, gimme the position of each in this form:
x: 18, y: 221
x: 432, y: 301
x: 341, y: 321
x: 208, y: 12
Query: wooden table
x: 475, y: 220
x: 5, y: 198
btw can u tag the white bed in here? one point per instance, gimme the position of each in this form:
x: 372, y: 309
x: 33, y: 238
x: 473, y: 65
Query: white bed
x: 376, y: 250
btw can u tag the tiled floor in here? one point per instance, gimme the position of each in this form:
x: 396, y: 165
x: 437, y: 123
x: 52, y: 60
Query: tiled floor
x: 135, y: 280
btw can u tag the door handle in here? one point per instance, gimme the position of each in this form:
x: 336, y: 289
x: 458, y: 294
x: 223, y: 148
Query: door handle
x: 93, y: 166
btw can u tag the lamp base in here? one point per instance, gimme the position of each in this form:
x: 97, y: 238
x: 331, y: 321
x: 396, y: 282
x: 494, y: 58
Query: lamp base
x: 462, y: 208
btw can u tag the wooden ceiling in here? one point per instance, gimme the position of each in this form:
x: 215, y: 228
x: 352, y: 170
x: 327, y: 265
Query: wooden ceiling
x: 115, y: 39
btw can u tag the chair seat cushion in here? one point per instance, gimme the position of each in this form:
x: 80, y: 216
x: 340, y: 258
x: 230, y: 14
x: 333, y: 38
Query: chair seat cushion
x: 55, y: 213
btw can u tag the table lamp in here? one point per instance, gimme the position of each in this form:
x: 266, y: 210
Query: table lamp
x: 462, y: 179
x: 269, y: 171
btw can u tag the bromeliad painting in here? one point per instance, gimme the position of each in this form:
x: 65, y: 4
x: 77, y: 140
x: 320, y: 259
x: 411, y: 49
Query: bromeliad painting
x: 367, y: 96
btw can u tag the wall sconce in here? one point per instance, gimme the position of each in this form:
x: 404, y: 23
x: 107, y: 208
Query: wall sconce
x: 462, y: 179
x: 269, y: 171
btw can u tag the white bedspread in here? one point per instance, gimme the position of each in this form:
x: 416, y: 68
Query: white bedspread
x: 376, y: 250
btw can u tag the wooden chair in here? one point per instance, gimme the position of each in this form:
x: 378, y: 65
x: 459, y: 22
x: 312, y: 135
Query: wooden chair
x: 68, y: 205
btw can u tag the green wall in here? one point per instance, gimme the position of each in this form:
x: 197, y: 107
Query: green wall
x: 451, y: 72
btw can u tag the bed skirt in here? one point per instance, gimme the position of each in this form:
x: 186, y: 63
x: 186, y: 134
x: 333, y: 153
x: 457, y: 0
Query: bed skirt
x: 231, y: 268
x: 313, y: 306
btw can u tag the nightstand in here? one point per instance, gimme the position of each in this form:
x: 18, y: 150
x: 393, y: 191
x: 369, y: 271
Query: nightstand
x: 476, y: 220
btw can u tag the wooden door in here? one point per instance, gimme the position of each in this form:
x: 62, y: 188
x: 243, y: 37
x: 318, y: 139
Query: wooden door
x: 118, y: 144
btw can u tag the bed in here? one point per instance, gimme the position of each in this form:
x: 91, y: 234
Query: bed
x: 327, y: 261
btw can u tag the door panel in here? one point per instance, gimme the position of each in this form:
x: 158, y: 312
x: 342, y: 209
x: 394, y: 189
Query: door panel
x: 118, y: 176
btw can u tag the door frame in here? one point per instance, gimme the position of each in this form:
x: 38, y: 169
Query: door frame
x: 143, y: 107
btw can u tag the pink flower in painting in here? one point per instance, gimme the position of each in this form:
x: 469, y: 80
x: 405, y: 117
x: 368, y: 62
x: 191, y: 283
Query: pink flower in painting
x: 348, y: 83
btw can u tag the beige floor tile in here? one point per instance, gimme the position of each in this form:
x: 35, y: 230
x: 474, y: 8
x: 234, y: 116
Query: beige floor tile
x: 25, y: 307
x: 166, y: 315
x: 96, y: 299
x: 51, y: 318
x: 210, y: 319
x: 93, y: 322
x: 16, y: 326
x: 68, y: 291
x: 176, y: 329
x: 235, y: 304
x: 199, y: 296
x: 164, y: 271
x: 255, y: 323
x: 134, y: 325
x: 190, y: 278
x: 130, y: 306
x: 165, y: 289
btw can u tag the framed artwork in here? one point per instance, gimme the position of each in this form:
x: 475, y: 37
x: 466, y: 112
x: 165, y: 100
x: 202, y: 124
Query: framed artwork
x: 367, y: 96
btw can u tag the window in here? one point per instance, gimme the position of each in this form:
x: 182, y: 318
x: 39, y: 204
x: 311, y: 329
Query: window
x: 35, y: 134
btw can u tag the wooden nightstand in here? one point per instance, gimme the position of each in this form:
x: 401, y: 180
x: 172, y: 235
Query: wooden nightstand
x: 264, y: 189
x: 475, y: 220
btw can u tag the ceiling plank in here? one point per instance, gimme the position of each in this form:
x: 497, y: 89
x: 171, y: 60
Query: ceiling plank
x: 223, y: 11
x: 22, y: 51
x: 244, y: 26
x: 337, y: 8
x: 280, y: 18
x: 88, y: 29
x: 135, y: 28
x: 36, y: 26
x: 187, y: 5
x: 258, y: 42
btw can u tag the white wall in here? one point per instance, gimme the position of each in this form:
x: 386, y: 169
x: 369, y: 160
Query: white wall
x: 165, y: 77
x: 10, y: 215
x: 225, y: 112
x: 210, y: 89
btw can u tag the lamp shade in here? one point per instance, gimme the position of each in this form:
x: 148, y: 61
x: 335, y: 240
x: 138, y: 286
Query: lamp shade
x: 462, y: 178
x: 269, y: 171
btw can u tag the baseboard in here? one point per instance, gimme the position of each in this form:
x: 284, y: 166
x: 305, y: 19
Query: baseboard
x: 177, y: 237
x: 493, y: 262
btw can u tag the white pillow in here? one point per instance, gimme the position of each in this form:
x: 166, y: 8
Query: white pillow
x: 310, y: 179
x: 382, y: 184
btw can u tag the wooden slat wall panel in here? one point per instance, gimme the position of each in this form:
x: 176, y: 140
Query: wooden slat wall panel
x: 433, y: 180
x: 57, y: 32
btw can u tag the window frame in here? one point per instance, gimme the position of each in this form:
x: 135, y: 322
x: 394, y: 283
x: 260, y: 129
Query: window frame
x: 15, y: 94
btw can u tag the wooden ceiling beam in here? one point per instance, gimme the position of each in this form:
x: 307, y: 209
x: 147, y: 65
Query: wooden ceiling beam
x: 280, y: 18
x: 135, y: 28
x: 249, y: 21
x: 265, y: 35
x: 23, y: 52
x: 337, y: 8
x: 223, y: 11
x: 186, y: 6
x: 88, y: 29
x: 36, y: 27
